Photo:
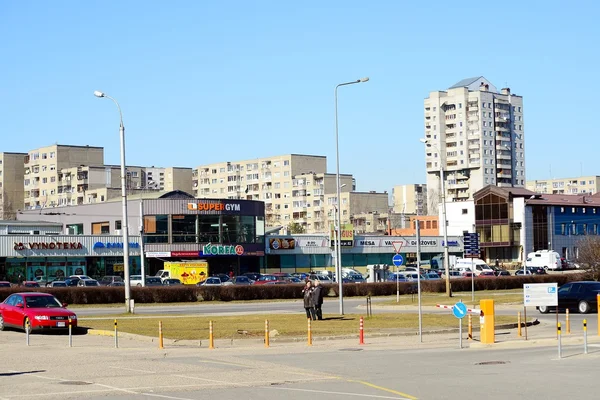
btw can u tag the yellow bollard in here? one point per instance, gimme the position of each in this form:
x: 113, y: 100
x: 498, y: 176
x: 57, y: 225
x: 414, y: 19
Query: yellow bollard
x: 598, y: 302
x: 160, y: 335
x: 211, y: 339
x: 309, y: 334
x: 567, y: 322
x: 487, y: 322
x: 470, y: 328
x: 266, y: 333
x: 519, y: 323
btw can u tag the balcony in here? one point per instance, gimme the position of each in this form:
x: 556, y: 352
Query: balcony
x: 459, y: 185
x: 504, y: 174
x: 501, y: 156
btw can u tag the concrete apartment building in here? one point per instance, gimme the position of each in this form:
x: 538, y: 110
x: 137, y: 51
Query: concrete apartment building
x: 582, y: 184
x: 177, y: 178
x: 410, y: 199
x: 366, y: 211
x: 475, y: 134
x: 11, y: 184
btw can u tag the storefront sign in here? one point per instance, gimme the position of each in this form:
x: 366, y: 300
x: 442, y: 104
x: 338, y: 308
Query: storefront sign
x: 160, y: 254
x: 101, y: 245
x: 185, y: 254
x: 48, y: 246
x: 413, y: 242
x: 282, y: 244
x: 368, y: 243
x: 221, y: 250
x: 311, y: 243
x: 213, y: 206
x: 347, y: 235
x: 451, y: 243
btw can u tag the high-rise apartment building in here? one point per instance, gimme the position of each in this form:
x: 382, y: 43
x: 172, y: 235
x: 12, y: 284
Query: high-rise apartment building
x: 475, y: 137
x: 43, y: 168
x: 410, y: 199
x: 366, y: 211
x: 177, y: 178
x: 11, y: 184
x: 580, y: 185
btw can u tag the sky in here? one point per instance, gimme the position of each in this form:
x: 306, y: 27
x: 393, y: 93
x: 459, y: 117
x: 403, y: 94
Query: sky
x: 211, y: 81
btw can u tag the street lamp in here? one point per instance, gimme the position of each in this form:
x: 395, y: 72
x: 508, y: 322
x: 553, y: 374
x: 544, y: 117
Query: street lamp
x: 338, y: 266
x: 124, y: 224
x: 444, y: 222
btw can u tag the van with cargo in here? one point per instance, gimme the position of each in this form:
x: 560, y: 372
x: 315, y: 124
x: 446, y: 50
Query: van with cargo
x: 476, y: 265
x: 547, y: 259
x: 188, y: 272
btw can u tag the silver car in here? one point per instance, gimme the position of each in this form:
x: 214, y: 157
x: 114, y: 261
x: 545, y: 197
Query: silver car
x: 212, y: 281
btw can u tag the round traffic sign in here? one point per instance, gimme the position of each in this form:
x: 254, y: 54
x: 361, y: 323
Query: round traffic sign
x: 397, y: 260
x: 459, y: 310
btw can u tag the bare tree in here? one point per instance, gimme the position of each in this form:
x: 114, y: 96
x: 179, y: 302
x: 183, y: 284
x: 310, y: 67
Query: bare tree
x: 589, y: 254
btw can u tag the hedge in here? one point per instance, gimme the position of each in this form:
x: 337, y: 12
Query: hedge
x: 106, y: 295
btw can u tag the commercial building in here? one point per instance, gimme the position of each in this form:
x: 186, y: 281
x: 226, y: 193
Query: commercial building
x: 475, y: 135
x: 175, y: 226
x: 12, y: 171
x: 513, y: 222
x: 428, y: 226
x: 410, y: 199
x: 582, y: 184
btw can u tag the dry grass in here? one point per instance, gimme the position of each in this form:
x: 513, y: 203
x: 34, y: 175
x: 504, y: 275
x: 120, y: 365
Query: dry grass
x: 249, y: 326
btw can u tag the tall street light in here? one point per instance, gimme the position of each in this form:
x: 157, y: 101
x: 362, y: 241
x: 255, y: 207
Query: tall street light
x: 445, y: 219
x: 124, y: 225
x: 338, y: 257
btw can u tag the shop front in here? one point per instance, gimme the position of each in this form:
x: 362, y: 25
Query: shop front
x: 53, y: 257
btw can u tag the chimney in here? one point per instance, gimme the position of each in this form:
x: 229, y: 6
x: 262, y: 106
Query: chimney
x: 505, y: 91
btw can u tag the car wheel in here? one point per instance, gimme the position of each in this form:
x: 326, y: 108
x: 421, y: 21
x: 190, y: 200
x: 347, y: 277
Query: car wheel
x: 1, y: 322
x: 26, y: 325
x: 543, y: 309
x: 583, y: 307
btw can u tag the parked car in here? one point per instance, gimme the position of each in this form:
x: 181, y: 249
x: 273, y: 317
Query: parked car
x: 253, y: 276
x: 30, y: 284
x: 537, y: 270
x: 153, y: 281
x: 453, y: 274
x: 135, y: 280
x: 393, y: 277
x: 300, y: 275
x: 320, y: 278
x: 71, y: 281
x: 110, y: 280
x: 4, y: 284
x: 576, y: 295
x: 486, y: 273
x: 265, y: 279
x: 35, y: 311
x: 87, y: 283
x: 502, y: 272
x: 241, y: 280
x: 58, y: 284
x: 211, y: 281
x: 520, y: 272
x: 41, y: 280
x: 80, y: 276
x: 222, y: 277
x: 171, y: 282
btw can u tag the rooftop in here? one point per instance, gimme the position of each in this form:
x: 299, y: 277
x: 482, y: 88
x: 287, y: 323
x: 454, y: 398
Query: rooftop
x: 30, y: 223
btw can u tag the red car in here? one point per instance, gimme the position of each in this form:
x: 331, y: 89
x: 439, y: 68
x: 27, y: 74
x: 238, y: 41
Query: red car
x: 268, y: 279
x: 40, y: 311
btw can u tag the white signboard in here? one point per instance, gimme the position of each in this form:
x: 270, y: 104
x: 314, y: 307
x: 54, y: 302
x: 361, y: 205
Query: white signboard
x: 311, y: 242
x: 540, y: 294
x: 367, y: 243
x: 158, y: 254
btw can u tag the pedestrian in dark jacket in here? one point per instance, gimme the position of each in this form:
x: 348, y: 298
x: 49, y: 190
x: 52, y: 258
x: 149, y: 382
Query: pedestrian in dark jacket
x: 318, y: 293
x: 309, y: 305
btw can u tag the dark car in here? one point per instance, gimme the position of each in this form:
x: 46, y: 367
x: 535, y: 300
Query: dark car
x: 502, y: 272
x: 537, y: 270
x: 72, y: 281
x: 153, y: 281
x: 222, y: 277
x: 4, y: 284
x: 110, y: 280
x: 254, y: 276
x: 241, y: 280
x: 30, y: 284
x: 171, y: 282
x: 576, y: 295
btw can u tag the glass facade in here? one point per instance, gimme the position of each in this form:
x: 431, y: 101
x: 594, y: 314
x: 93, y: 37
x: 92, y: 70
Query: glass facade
x: 493, y: 216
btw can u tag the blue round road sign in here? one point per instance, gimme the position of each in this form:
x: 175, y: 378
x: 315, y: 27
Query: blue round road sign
x: 459, y: 310
x: 397, y: 260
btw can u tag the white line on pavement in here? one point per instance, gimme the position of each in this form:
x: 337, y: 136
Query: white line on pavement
x: 133, y: 369
x: 373, y: 396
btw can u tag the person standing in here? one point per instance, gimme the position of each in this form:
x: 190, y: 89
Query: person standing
x: 309, y: 305
x: 318, y: 294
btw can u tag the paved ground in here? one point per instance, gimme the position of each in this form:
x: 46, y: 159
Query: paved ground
x: 384, y: 368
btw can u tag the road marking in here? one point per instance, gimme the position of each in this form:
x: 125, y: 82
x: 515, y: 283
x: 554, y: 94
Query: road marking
x: 373, y: 396
x: 133, y: 369
x: 224, y: 363
x: 407, y: 396
x: 201, y: 379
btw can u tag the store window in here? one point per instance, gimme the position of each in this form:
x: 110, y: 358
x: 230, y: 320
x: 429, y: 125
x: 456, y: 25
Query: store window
x: 183, y: 228
x: 156, y: 229
x: 75, y: 229
x: 208, y: 228
x: 100, y: 228
x: 231, y: 228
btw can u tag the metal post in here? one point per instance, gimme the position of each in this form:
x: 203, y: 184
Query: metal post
x: 445, y: 232
x: 418, y: 228
x: 397, y: 284
x: 460, y: 333
x: 361, y: 333
x: 116, y: 336
x: 598, y: 302
x: 266, y: 333
x: 124, y: 224
x: 525, y: 320
x: 567, y: 322
x: 27, y: 329
x: 559, y: 336
x: 160, y: 335
x: 70, y: 334
x: 211, y: 339
x: 309, y: 333
x: 472, y: 280
x: 585, y: 346
x: 519, y: 324
x: 142, y: 254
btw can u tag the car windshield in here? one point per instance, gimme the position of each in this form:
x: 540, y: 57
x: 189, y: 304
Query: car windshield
x: 42, y: 302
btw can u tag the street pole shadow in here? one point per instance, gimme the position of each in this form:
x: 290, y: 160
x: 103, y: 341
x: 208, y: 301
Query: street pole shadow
x: 21, y: 373
x: 338, y: 319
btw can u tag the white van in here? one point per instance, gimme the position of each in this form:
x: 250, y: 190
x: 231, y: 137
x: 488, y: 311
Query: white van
x: 477, y: 264
x: 546, y: 259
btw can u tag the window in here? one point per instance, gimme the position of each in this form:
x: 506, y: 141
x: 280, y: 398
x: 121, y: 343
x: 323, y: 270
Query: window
x: 563, y: 229
x: 100, y: 228
x: 52, y: 154
x: 465, y: 211
x: 183, y: 228
x: 52, y: 179
x: 156, y: 229
x: 459, y: 105
x: 44, y: 180
x: 286, y: 163
x: 118, y: 224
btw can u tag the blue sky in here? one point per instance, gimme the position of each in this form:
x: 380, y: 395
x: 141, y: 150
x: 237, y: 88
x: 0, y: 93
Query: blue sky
x: 201, y: 82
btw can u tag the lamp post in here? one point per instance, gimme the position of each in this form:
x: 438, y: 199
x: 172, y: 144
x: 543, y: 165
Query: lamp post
x: 338, y: 257
x: 444, y: 222
x: 124, y: 225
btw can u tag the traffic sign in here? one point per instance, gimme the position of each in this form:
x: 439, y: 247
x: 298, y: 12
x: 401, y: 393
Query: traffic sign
x: 540, y: 294
x: 471, y: 245
x: 397, y: 260
x: 398, y: 245
x: 459, y: 310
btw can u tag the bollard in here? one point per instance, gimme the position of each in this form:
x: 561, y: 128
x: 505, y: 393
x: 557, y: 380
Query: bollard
x: 266, y: 333
x: 27, y: 329
x: 116, y: 336
x: 211, y: 339
x: 160, y: 335
x: 70, y: 334
x: 361, y: 331
x: 585, y: 349
x: 519, y: 324
x: 470, y: 328
x: 559, y: 336
x: 598, y: 302
x: 567, y: 322
x: 309, y: 334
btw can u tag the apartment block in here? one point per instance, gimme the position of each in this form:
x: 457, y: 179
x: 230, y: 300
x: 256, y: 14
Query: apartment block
x: 475, y: 137
x: 582, y: 184
x: 410, y: 199
x: 177, y: 178
x: 42, y: 171
x: 354, y: 206
x: 11, y: 184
